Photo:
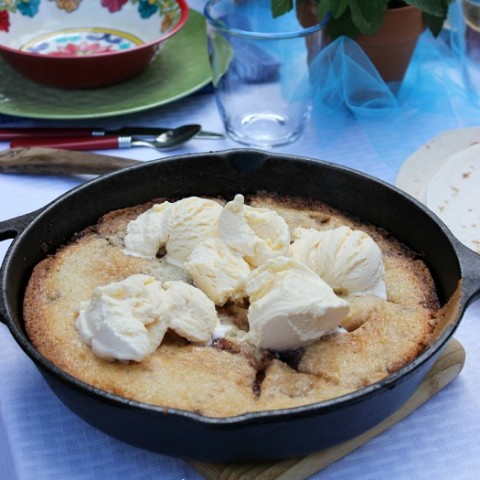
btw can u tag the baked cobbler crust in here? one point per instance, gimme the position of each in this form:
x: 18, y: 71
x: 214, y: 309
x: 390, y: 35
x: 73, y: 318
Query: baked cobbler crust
x: 227, y: 377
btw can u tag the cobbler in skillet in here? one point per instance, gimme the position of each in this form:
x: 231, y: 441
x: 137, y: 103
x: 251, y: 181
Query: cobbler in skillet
x: 224, y: 307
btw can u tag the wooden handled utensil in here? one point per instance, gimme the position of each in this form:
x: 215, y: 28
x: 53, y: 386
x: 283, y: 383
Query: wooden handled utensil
x: 39, y: 160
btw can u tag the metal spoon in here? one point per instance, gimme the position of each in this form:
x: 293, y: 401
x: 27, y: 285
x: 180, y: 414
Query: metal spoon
x: 168, y: 139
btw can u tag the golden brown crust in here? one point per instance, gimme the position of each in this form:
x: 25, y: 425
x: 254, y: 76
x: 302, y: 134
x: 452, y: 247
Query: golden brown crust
x: 227, y: 379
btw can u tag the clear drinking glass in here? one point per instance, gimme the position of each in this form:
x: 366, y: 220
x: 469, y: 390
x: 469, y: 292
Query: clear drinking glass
x: 464, y: 19
x: 471, y: 15
x: 260, y: 67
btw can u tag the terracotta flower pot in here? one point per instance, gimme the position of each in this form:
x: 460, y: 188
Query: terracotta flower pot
x: 391, y: 48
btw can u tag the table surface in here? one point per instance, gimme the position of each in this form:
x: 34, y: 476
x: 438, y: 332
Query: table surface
x: 40, y: 438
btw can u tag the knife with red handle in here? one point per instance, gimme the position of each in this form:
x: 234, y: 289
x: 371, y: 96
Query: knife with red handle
x: 74, y: 143
x: 8, y: 134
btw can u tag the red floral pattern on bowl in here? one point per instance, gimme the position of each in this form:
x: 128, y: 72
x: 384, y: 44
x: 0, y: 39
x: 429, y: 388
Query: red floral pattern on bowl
x: 86, y: 43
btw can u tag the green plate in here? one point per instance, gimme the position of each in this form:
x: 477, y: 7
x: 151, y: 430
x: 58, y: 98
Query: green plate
x: 181, y: 68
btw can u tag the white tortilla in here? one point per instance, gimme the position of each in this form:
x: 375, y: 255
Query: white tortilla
x: 418, y: 169
x: 453, y: 193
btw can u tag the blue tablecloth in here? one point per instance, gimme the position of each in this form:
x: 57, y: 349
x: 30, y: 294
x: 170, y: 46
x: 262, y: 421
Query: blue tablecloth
x: 40, y: 438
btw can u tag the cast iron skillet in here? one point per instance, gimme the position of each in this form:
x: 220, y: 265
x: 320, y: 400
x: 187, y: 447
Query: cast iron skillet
x: 254, y: 436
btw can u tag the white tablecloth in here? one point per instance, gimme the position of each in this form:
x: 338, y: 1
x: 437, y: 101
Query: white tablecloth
x: 41, y: 439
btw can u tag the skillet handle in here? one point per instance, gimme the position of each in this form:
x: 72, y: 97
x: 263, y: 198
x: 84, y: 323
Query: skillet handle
x: 470, y: 266
x: 9, y: 229
x: 12, y: 227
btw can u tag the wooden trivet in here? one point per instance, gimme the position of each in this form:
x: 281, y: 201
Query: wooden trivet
x: 446, y: 368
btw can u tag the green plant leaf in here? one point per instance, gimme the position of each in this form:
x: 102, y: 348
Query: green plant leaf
x: 367, y: 15
x: 323, y: 8
x: 342, y: 26
x: 437, y: 8
x: 434, y: 23
x: 352, y: 17
x: 280, y: 7
x: 435, y: 12
x: 338, y: 7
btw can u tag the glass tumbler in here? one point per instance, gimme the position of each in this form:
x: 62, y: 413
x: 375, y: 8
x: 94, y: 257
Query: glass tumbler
x: 261, y: 68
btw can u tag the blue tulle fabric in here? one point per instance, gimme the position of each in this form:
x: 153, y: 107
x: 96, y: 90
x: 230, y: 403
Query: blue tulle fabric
x: 440, y: 91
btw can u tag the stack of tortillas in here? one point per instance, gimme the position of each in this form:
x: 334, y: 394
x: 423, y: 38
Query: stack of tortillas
x: 444, y: 174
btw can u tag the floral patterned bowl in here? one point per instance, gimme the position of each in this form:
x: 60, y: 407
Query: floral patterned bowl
x: 86, y: 43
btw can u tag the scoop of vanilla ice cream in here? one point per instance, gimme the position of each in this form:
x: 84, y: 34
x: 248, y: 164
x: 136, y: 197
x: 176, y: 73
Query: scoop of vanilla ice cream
x: 256, y: 233
x: 189, y: 312
x: 192, y: 221
x: 348, y: 260
x: 218, y: 271
x: 124, y: 320
x: 148, y: 232
x: 290, y: 305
